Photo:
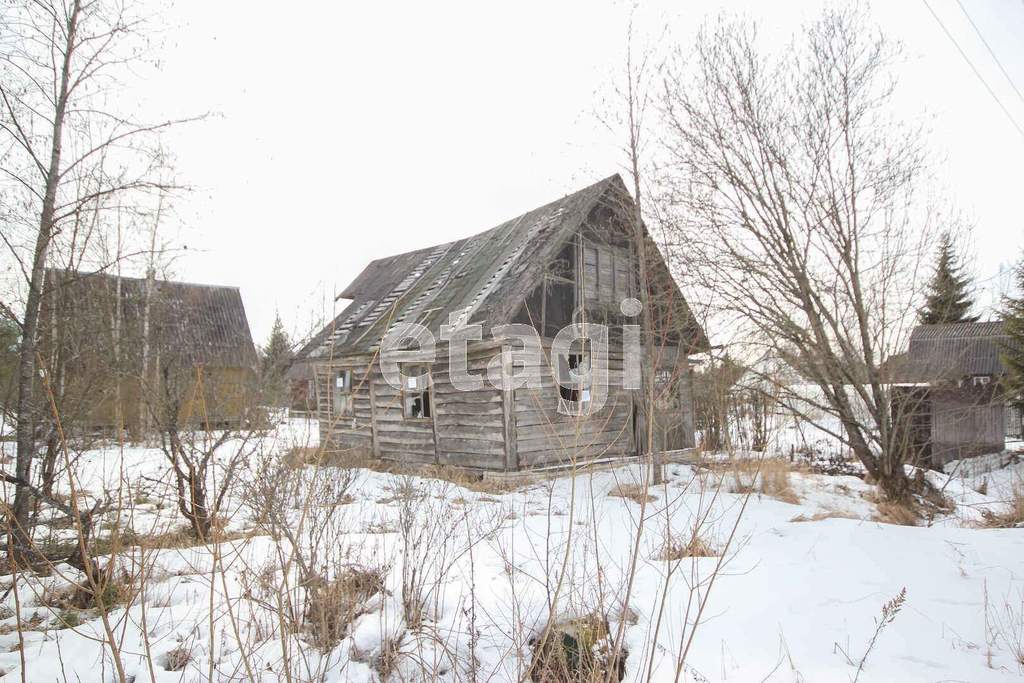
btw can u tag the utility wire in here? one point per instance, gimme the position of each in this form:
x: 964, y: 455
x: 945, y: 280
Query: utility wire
x: 990, y: 51
x: 974, y: 69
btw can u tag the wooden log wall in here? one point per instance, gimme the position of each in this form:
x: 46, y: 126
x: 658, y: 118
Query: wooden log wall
x: 345, y: 433
x: 469, y: 424
x: 546, y: 437
x: 399, y: 437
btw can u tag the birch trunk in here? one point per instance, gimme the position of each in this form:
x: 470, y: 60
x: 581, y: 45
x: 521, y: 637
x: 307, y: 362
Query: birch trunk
x: 27, y: 366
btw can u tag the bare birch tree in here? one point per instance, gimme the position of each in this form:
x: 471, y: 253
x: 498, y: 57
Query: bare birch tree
x: 798, y: 206
x: 66, y: 152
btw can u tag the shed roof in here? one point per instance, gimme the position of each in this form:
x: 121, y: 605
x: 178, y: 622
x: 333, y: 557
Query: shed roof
x: 483, y: 278
x: 950, y: 352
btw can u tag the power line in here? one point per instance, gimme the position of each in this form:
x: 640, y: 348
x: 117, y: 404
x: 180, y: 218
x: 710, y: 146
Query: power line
x: 974, y: 69
x: 990, y: 51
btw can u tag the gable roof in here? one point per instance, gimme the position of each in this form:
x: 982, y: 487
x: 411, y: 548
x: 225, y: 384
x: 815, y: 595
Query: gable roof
x: 950, y: 352
x: 483, y: 278
x: 189, y: 323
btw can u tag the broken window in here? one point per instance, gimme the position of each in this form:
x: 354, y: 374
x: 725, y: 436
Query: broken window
x: 574, y: 379
x: 343, y: 393
x: 416, y: 393
x: 564, y: 265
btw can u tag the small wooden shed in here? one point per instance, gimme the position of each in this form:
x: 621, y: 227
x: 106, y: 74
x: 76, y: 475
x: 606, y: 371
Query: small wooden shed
x: 946, y: 391
x: 571, y: 261
x: 116, y: 349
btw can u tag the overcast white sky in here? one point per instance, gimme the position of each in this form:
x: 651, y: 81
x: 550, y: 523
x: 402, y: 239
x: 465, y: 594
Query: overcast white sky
x: 349, y: 131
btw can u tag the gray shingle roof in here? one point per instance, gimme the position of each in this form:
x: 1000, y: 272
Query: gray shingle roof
x: 483, y: 278
x: 191, y: 323
x: 950, y: 352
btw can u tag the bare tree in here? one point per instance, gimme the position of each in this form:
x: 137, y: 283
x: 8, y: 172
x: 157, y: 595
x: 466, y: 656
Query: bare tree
x: 797, y: 203
x: 66, y: 152
x: 204, y: 460
x: 625, y: 116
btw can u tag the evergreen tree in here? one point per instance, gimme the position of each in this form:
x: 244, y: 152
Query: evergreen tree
x: 947, y: 299
x: 276, y: 357
x: 1013, y: 353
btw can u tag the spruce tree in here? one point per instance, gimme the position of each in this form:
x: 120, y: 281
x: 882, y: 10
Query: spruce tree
x: 1013, y: 352
x: 947, y: 299
x: 277, y: 355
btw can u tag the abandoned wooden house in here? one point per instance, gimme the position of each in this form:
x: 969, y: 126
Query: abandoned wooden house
x: 571, y: 261
x: 120, y: 352
x: 947, y: 398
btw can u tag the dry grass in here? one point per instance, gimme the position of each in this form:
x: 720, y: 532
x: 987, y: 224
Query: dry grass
x: 766, y: 476
x: 363, y: 458
x: 692, y: 545
x: 775, y: 481
x: 823, y: 514
x: 332, y: 605
x: 903, y: 513
x: 1012, y: 517
x: 302, y: 456
x: 111, y: 590
x: 577, y: 650
x: 177, y: 659
x: 173, y: 538
x: 634, y: 492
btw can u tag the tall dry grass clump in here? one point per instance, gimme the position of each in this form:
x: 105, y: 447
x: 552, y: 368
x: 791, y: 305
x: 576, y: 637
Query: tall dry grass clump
x: 1013, y: 514
x: 766, y: 476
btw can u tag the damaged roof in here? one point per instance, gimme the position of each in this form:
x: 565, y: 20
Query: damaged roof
x: 481, y: 279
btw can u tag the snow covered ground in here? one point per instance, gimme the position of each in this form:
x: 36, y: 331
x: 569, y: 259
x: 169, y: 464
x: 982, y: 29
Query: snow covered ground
x: 798, y: 594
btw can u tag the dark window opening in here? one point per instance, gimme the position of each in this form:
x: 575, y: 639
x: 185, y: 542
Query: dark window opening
x: 416, y: 393
x: 574, y: 378
x: 531, y: 312
x: 564, y: 265
x: 559, y: 304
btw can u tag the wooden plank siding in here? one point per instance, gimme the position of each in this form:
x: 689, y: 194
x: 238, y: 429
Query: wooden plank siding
x: 546, y: 437
x: 469, y: 424
x: 966, y: 422
x: 486, y: 428
x: 351, y: 432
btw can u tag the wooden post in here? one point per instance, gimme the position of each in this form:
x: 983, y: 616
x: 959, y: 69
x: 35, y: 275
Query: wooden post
x: 374, y: 443
x: 508, y: 398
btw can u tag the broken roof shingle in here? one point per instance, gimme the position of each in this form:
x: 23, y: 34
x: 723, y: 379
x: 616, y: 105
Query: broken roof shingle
x: 482, y: 278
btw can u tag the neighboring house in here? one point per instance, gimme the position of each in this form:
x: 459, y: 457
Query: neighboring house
x: 123, y: 352
x: 572, y: 260
x: 947, y: 397
x: 301, y: 386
